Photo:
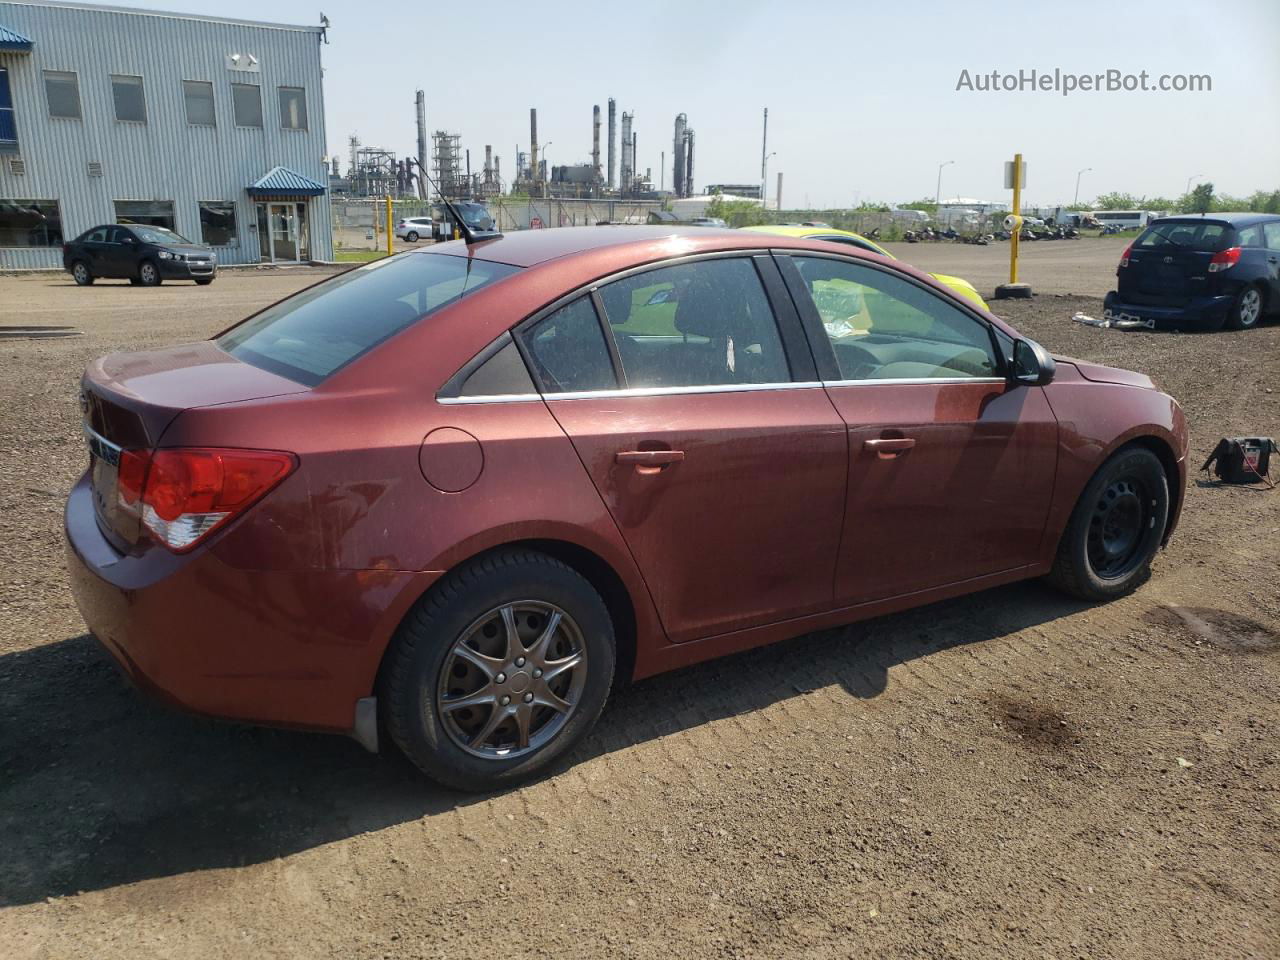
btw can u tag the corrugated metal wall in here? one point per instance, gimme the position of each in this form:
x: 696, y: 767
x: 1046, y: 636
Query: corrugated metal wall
x: 165, y: 159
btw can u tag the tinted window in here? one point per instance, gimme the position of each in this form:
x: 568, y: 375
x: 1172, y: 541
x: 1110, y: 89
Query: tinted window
x: 293, y: 108
x: 246, y: 104
x: 30, y: 223
x: 503, y: 374
x: 130, y: 103
x: 883, y: 327
x: 199, y: 98
x: 696, y: 324
x: 568, y: 350
x: 312, y: 334
x: 62, y: 90
x: 1250, y: 236
x: 1206, y: 236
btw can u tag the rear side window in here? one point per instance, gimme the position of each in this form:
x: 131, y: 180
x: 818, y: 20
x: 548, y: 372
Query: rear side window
x: 1271, y: 233
x: 309, y: 336
x: 1250, y: 236
x: 568, y: 350
x: 1202, y: 236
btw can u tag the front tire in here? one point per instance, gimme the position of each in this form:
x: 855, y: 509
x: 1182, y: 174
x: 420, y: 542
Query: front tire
x: 149, y: 274
x: 412, y: 236
x: 1246, y: 311
x: 502, y: 667
x: 1115, y: 529
x: 80, y: 273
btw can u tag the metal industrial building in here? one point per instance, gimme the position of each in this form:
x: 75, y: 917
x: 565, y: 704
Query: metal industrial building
x: 211, y: 127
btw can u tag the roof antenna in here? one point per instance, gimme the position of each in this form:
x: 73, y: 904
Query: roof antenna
x: 469, y: 235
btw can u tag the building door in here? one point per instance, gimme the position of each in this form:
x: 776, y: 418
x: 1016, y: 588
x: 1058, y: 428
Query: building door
x: 282, y: 232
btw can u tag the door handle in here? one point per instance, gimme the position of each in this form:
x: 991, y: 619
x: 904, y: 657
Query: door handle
x: 889, y: 447
x: 649, y: 458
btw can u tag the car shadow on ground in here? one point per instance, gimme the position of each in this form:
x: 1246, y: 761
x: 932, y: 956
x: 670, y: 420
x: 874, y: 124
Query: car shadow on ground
x: 100, y: 787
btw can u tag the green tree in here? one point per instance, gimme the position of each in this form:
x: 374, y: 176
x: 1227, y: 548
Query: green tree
x: 1199, y: 200
x: 928, y: 206
x: 737, y: 213
x: 1117, y: 201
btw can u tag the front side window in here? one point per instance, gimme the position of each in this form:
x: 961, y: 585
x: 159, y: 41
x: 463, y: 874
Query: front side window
x: 8, y: 120
x: 706, y: 323
x: 293, y: 108
x: 313, y: 333
x: 131, y: 104
x: 198, y: 95
x: 246, y: 103
x: 30, y: 223
x: 568, y: 350
x: 883, y: 327
x: 62, y: 90
x: 218, y: 222
x: 156, y: 213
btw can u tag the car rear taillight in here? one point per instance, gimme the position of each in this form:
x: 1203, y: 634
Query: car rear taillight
x: 1225, y: 259
x: 184, y: 494
x: 1124, y: 257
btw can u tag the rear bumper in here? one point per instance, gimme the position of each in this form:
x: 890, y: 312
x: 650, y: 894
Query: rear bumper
x: 275, y: 647
x: 1197, y: 313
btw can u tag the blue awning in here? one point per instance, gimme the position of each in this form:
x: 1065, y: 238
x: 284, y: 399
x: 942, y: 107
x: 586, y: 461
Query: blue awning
x: 283, y: 182
x: 11, y: 41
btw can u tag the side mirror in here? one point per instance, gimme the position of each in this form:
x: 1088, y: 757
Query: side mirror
x: 1032, y: 364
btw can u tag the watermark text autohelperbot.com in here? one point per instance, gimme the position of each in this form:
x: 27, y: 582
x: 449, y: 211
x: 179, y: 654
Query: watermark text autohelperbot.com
x: 1066, y: 83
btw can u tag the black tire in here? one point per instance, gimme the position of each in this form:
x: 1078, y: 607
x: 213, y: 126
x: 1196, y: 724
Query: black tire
x: 1130, y: 491
x: 412, y: 236
x: 202, y: 281
x: 1247, y: 310
x: 412, y: 681
x: 148, y: 274
x: 81, y: 274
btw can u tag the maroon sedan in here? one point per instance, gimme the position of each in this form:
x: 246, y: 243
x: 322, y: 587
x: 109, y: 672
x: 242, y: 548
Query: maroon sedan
x: 453, y: 495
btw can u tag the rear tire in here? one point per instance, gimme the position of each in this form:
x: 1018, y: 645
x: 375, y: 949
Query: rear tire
x: 1247, y: 310
x: 80, y: 273
x: 148, y: 274
x: 478, y: 609
x: 1115, y: 529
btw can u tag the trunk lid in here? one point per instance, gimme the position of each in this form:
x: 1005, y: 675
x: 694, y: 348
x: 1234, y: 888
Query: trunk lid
x: 129, y: 399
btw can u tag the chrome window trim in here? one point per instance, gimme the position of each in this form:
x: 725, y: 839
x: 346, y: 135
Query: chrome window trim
x: 882, y: 382
x: 101, y: 447
x: 494, y: 398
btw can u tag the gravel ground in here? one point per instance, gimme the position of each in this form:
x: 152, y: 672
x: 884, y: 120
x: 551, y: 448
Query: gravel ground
x: 1005, y: 775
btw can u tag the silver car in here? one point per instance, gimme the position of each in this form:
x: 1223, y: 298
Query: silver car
x: 413, y: 228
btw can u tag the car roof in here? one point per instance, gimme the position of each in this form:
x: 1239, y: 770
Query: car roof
x: 793, y: 230
x: 1237, y: 219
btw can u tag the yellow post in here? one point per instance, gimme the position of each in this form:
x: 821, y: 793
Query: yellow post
x: 390, y: 233
x: 1017, y: 212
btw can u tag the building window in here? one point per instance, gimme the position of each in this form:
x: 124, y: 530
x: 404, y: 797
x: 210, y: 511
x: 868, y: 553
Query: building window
x: 199, y: 97
x: 246, y: 98
x: 8, y: 125
x: 62, y: 90
x: 218, y: 223
x: 131, y: 105
x: 157, y: 213
x: 293, y: 108
x: 30, y: 223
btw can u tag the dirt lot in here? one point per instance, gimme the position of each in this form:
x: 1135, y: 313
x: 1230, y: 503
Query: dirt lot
x: 1007, y: 775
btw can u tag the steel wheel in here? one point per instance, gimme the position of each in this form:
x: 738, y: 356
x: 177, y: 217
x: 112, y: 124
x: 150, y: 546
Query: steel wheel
x: 1120, y: 517
x: 512, y: 680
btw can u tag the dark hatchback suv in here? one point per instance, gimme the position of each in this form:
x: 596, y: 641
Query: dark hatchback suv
x: 142, y: 254
x: 1200, y: 272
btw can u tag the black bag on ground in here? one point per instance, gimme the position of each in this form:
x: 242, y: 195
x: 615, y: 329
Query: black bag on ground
x: 1241, y: 459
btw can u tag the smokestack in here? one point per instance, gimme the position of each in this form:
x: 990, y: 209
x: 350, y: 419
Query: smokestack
x: 677, y: 156
x: 688, y: 169
x: 635, y: 174
x: 420, y: 106
x: 624, y: 172
x: 488, y: 165
x: 595, y: 145
x: 533, y: 150
x: 613, y: 135
x: 497, y: 173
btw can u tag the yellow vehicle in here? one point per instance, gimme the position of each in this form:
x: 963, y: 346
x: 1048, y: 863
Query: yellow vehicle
x: 959, y: 285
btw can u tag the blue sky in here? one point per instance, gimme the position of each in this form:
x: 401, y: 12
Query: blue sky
x: 862, y: 96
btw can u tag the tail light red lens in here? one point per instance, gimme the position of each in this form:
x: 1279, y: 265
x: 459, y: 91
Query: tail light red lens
x: 183, y: 495
x: 1225, y: 259
x: 1124, y: 257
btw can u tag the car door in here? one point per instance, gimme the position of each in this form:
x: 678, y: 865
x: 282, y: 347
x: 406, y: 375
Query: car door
x: 97, y: 251
x: 1271, y: 236
x: 951, y: 465
x: 702, y: 425
x: 122, y: 253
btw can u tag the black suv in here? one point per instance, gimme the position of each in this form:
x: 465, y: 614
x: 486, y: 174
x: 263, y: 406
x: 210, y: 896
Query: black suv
x: 139, y: 253
x: 1200, y: 272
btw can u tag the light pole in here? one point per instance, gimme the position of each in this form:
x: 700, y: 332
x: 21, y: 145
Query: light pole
x: 764, y: 178
x: 1189, y: 179
x: 937, y: 197
x: 1079, y: 174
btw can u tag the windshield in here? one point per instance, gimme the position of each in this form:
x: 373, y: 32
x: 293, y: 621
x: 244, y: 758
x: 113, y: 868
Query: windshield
x: 312, y: 334
x: 160, y: 235
x: 1202, y: 236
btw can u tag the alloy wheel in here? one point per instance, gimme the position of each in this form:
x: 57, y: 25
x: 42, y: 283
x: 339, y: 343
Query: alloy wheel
x: 512, y: 680
x: 148, y: 274
x: 1250, y: 307
x: 1117, y: 527
x: 81, y: 273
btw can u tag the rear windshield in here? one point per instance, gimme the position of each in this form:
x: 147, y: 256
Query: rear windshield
x: 312, y: 334
x: 1203, y: 236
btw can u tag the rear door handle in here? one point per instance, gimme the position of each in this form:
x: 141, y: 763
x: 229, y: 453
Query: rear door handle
x: 889, y: 447
x: 649, y: 458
